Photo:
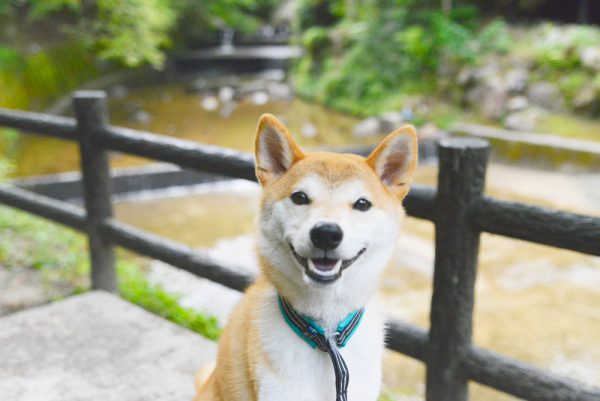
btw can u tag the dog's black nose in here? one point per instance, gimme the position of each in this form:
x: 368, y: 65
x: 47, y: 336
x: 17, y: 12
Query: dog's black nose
x: 326, y: 236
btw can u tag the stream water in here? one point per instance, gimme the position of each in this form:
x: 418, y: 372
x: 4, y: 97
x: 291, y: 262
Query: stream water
x: 176, y: 111
x: 534, y: 303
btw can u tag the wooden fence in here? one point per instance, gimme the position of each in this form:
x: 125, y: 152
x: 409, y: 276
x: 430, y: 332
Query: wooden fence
x: 458, y: 208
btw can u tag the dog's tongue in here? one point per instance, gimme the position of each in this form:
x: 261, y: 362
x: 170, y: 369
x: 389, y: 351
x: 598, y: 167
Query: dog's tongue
x: 324, y: 264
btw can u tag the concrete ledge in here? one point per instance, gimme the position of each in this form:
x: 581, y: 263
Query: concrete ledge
x: 97, y: 347
x: 546, y: 150
x: 67, y: 186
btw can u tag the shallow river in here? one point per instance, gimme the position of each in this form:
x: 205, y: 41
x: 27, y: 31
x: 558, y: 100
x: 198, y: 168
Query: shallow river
x: 535, y: 303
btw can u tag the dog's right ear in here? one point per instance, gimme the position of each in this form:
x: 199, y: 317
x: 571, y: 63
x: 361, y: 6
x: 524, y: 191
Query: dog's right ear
x: 275, y: 149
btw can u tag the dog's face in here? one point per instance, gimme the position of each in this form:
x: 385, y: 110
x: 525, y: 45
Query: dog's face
x: 330, y: 220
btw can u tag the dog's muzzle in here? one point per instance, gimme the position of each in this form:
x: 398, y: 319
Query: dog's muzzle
x: 325, y: 270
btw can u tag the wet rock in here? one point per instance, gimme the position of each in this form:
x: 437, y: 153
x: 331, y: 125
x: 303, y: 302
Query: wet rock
x: 259, y: 98
x: 118, y: 91
x: 34, y: 47
x: 165, y: 97
x: 517, y: 103
x: 524, y: 120
x: 587, y: 98
x: 390, y: 121
x: 226, y: 94
x: 367, y: 127
x: 487, y: 73
x: 489, y: 100
x: 429, y: 131
x: 309, y: 130
x: 590, y: 58
x: 210, y: 103
x: 227, y: 109
x: 516, y: 80
x: 466, y: 77
x: 249, y: 87
x: 279, y: 91
x: 142, y: 117
x: 546, y: 96
x: 198, y: 85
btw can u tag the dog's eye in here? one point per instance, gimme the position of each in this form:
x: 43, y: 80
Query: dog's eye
x: 362, y: 204
x: 300, y: 198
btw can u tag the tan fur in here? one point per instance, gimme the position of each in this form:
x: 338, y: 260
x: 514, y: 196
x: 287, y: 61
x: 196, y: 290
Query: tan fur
x: 240, y: 354
x: 234, y: 376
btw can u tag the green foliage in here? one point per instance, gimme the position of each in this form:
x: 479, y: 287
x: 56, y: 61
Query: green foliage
x: 6, y: 169
x: 133, y: 31
x: 318, y: 13
x: 61, y: 255
x: 316, y: 41
x: 30, y: 81
x: 494, y: 37
x: 28, y: 242
x: 137, y: 289
x: 198, y: 22
x: 136, y: 32
x: 41, y: 8
x: 559, y: 46
x: 572, y: 83
x: 400, y: 49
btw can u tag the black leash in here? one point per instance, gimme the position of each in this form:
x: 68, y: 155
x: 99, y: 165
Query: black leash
x: 314, y: 335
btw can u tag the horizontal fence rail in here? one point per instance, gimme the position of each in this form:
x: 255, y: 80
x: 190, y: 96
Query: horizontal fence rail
x: 41, y: 124
x: 211, y: 159
x: 178, y: 255
x: 448, y: 373
x: 48, y: 208
x: 535, y: 224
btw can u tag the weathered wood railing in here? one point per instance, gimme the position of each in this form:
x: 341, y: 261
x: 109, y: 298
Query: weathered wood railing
x: 458, y: 209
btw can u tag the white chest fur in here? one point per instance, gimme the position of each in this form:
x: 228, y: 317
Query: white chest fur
x: 297, y: 372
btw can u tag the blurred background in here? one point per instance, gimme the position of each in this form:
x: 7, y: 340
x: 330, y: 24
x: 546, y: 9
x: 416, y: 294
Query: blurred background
x: 340, y: 74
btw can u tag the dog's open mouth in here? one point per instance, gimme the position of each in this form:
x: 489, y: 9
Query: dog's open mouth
x: 325, y: 270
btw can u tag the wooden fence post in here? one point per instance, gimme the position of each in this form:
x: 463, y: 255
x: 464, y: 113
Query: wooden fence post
x: 92, y: 115
x: 461, y: 177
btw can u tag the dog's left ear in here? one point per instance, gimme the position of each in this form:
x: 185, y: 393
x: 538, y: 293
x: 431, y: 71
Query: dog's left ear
x: 275, y: 149
x: 395, y: 160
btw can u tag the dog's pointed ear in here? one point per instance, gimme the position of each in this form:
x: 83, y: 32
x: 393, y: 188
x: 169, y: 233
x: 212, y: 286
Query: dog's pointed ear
x: 395, y: 160
x: 275, y: 149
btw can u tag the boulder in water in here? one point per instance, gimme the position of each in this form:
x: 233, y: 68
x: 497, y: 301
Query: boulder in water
x: 259, y: 98
x: 590, y: 58
x: 142, y: 117
x: 517, y: 103
x: 210, y: 103
x: 524, y: 120
x: 367, y: 127
x: 227, y: 109
x: 226, y: 94
x: 309, y: 130
x: 118, y: 91
x: 546, y: 96
x: 390, y: 121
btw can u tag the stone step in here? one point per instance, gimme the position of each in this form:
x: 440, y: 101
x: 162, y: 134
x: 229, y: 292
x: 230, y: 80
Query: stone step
x: 97, y: 347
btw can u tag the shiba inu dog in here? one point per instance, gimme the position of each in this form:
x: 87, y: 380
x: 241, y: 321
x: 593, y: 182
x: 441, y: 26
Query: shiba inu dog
x: 310, y: 329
